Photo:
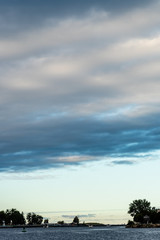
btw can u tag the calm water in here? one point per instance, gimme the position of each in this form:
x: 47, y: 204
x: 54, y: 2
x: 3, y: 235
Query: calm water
x: 115, y: 233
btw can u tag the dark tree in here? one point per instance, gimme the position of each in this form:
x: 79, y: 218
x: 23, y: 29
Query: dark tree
x: 76, y: 220
x: 142, y: 212
x: 33, y: 218
x: 2, y: 217
x: 29, y: 218
x: 14, y: 216
x: 46, y: 221
x: 139, y: 207
x: 60, y: 222
x: 154, y: 216
x: 139, y: 218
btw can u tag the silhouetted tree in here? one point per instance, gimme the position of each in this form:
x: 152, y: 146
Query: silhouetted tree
x: 60, y: 222
x: 154, y: 216
x: 14, y: 216
x: 46, y: 221
x: 139, y: 218
x: 140, y: 206
x: 76, y: 220
x: 33, y: 218
x: 2, y: 217
x: 141, y: 209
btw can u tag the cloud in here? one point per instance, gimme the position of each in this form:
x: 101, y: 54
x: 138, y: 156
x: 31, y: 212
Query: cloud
x: 80, y: 216
x: 123, y: 162
x: 25, y: 13
x: 98, y: 27
x: 75, y: 90
x: 56, y: 144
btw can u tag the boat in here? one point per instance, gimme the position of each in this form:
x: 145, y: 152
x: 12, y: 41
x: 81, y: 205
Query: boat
x: 24, y: 230
x: 90, y: 226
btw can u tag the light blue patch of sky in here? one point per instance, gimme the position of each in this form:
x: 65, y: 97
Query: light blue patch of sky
x: 117, y: 112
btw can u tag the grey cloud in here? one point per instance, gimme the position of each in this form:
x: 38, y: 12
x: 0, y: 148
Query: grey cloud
x: 64, y: 103
x: 80, y: 216
x: 60, y: 8
x: 123, y: 162
x: 74, y: 141
x: 17, y: 15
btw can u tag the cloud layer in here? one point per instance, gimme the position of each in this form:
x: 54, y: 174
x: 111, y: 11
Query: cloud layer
x: 76, y: 89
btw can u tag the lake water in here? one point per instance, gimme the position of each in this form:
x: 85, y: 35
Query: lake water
x: 80, y: 233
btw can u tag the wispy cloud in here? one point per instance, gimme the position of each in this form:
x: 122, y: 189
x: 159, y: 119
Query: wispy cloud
x: 80, y: 216
x: 123, y: 162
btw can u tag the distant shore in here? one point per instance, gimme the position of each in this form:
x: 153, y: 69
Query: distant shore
x: 62, y: 226
x: 149, y: 225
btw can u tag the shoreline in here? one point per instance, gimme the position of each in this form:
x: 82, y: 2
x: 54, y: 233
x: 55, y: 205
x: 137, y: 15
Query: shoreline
x: 60, y: 226
x: 149, y: 225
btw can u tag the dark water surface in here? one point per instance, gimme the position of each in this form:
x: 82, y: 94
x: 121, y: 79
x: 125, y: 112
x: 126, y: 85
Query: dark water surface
x: 80, y: 233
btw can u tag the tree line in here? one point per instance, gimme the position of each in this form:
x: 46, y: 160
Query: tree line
x: 14, y: 217
x: 142, y: 212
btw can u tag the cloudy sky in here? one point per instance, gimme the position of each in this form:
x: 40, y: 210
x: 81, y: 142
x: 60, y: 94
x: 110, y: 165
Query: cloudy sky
x: 79, y: 106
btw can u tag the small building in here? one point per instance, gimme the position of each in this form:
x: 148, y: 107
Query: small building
x: 146, y: 219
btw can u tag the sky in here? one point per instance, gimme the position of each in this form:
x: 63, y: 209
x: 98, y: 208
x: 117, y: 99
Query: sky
x: 79, y: 107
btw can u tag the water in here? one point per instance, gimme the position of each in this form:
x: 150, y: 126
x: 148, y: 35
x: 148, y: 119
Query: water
x: 110, y: 233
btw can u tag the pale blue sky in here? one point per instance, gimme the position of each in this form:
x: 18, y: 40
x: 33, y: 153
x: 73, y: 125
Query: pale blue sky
x: 79, y: 104
x: 102, y: 190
